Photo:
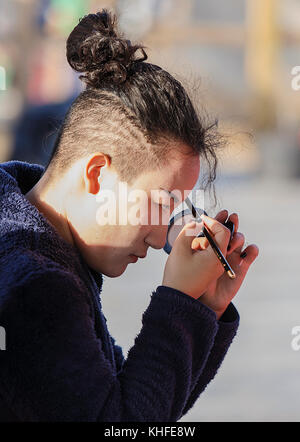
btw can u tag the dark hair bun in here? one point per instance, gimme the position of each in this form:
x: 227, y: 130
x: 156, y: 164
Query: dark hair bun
x: 95, y: 48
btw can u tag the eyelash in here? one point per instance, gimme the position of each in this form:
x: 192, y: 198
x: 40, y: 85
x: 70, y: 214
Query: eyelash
x: 164, y: 206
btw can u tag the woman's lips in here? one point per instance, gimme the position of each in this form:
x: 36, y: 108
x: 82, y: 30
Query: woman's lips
x: 136, y: 257
x: 139, y: 256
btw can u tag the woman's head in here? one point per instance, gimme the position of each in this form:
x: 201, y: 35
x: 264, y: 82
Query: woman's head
x: 133, y: 118
x: 130, y: 108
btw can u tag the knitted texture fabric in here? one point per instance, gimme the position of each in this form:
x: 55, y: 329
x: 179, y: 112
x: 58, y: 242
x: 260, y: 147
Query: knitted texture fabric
x: 60, y: 363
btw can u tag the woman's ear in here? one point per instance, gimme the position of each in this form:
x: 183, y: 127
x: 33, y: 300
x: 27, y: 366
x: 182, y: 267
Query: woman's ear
x: 92, y: 171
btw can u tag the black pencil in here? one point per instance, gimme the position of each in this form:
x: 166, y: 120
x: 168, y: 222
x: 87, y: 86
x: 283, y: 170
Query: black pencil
x: 211, y: 241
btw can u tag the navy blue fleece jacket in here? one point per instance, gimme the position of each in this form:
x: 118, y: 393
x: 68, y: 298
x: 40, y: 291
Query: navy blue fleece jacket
x: 60, y: 362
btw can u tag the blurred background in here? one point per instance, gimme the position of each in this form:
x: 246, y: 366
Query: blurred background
x: 236, y: 57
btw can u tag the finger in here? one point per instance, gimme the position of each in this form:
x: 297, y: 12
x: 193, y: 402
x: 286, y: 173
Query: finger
x: 234, y: 218
x: 249, y: 254
x: 218, y: 230
x: 222, y: 216
x: 231, y: 223
x: 236, y: 244
x: 187, y: 234
x: 200, y: 243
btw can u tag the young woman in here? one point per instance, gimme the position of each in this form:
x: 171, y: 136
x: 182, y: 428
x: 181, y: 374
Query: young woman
x: 133, y: 124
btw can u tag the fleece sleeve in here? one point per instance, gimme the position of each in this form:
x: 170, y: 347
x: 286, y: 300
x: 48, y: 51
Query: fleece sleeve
x: 227, y: 328
x: 54, y: 367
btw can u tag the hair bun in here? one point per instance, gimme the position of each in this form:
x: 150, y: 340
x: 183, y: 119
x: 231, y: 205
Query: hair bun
x: 95, y: 49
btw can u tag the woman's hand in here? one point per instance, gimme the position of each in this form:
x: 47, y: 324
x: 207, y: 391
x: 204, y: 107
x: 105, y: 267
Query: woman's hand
x: 190, y: 271
x: 222, y: 290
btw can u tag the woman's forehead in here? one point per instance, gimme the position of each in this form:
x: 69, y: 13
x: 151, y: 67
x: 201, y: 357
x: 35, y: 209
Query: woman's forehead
x: 176, y: 174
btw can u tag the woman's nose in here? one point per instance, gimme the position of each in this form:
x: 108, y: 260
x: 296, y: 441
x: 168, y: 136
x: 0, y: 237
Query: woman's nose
x: 157, y: 237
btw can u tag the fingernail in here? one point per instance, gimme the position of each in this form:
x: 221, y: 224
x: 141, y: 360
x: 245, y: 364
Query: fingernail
x: 243, y: 255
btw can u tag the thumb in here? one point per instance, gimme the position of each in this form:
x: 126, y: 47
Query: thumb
x: 185, y: 238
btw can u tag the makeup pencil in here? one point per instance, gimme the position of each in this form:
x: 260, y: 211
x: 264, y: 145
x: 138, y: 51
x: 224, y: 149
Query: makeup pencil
x: 211, y: 241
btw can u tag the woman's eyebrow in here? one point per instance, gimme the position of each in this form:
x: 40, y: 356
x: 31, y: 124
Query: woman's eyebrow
x: 171, y: 194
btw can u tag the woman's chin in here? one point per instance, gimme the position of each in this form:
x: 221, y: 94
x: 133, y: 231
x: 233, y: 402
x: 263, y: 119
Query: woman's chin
x: 116, y: 271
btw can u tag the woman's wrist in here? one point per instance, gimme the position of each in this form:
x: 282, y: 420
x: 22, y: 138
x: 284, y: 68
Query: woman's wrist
x: 219, y: 311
